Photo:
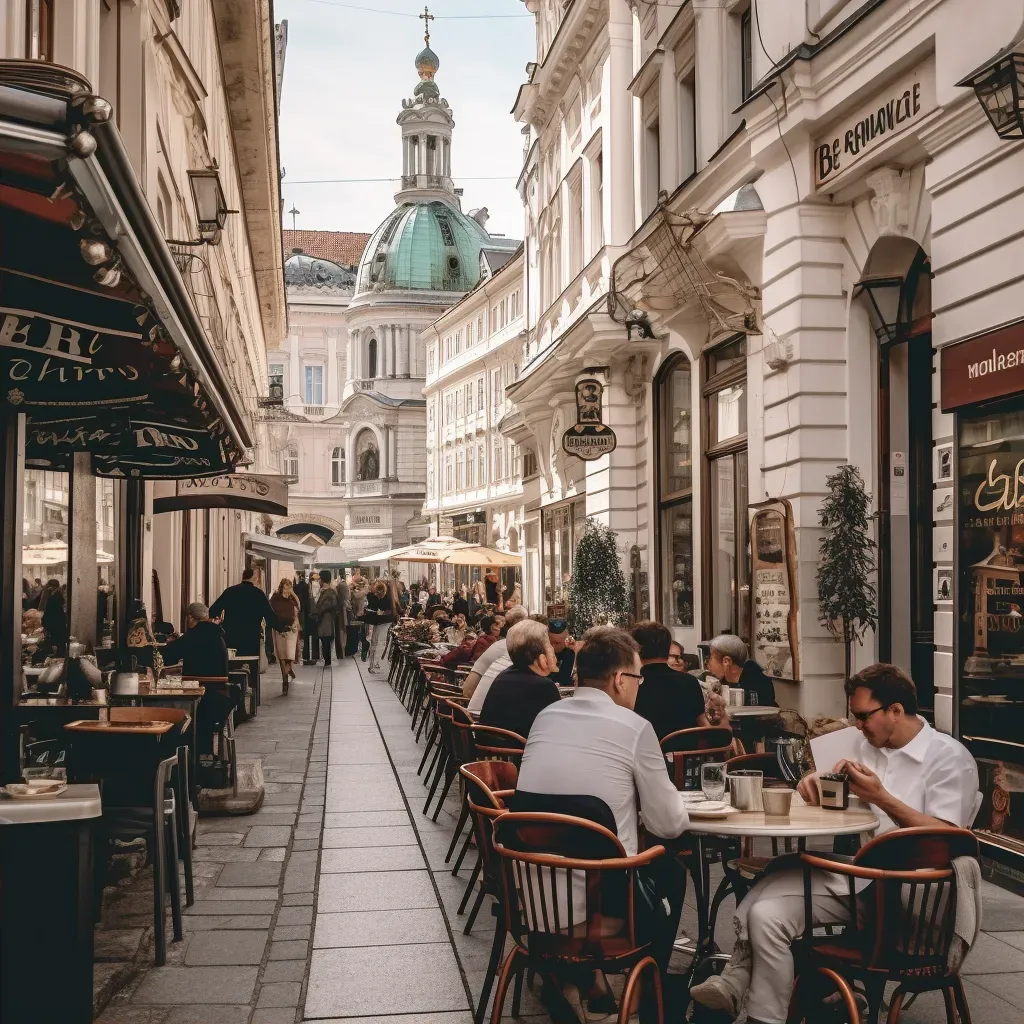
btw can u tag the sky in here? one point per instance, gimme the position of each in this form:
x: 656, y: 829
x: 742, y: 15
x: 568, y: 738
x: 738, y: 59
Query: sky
x: 347, y: 69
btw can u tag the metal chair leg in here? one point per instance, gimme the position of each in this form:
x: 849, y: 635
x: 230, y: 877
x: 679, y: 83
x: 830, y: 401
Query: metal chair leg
x: 465, y: 849
x: 476, y: 910
x: 457, y: 835
x: 444, y: 796
x: 469, y: 887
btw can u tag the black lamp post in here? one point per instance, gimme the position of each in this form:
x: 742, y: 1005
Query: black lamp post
x: 211, y: 206
x: 999, y: 86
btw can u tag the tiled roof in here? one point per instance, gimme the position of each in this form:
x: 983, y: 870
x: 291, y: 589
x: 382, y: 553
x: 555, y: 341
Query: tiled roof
x: 342, y: 247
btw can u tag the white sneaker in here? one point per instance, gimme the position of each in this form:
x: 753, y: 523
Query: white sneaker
x: 716, y: 994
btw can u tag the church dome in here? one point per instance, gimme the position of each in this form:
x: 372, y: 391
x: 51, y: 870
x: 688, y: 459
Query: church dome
x: 304, y: 271
x: 427, y: 61
x: 428, y: 246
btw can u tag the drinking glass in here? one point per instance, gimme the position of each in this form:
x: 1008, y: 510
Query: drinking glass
x: 712, y: 781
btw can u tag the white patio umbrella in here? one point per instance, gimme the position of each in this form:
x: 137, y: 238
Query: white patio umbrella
x: 482, y: 556
x: 432, y: 549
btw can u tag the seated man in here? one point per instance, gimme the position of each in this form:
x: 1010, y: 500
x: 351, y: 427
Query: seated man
x: 594, y: 744
x: 473, y: 646
x: 523, y: 691
x: 490, y: 656
x: 202, y: 651
x: 669, y: 698
x: 729, y: 661
x: 910, y: 774
x: 564, y: 646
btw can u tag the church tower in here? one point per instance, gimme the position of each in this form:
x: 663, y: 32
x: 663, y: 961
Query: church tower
x: 426, y: 121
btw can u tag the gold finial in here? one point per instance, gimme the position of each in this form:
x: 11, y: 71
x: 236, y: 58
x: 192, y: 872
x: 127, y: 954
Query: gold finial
x: 427, y: 19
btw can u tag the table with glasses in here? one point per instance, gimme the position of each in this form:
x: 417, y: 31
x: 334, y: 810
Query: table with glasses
x: 804, y: 821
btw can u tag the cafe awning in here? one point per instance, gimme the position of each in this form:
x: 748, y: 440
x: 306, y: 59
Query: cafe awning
x: 277, y: 549
x: 100, y: 343
x: 250, y: 492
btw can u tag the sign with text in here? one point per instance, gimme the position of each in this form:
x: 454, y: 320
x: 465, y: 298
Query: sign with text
x: 774, y: 590
x: 989, y: 366
x: 891, y: 113
x: 588, y: 438
x: 246, y: 491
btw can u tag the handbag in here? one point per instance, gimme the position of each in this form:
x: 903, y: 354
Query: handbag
x: 364, y: 646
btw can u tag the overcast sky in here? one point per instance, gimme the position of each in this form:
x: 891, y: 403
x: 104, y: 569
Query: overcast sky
x: 346, y: 73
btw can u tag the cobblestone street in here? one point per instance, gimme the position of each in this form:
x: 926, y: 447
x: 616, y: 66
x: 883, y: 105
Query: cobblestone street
x: 333, y: 902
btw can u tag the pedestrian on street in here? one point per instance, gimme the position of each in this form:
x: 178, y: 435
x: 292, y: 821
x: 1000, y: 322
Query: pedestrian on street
x: 286, y: 607
x: 301, y: 588
x: 341, y: 617
x: 242, y: 609
x: 382, y: 613
x: 325, y: 614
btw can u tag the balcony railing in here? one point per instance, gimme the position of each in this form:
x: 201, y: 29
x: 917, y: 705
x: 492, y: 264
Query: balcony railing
x: 313, y: 411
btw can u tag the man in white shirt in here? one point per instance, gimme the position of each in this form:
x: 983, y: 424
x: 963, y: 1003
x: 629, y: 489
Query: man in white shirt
x: 910, y: 775
x: 498, y: 651
x: 594, y: 744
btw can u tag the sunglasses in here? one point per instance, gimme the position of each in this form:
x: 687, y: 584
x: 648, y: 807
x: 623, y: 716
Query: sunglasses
x: 863, y: 716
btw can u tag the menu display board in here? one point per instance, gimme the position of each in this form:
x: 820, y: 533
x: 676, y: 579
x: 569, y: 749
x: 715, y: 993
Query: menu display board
x: 774, y: 590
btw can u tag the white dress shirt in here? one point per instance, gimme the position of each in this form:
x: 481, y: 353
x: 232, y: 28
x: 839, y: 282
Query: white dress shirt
x: 934, y: 774
x: 489, y: 674
x: 588, y: 745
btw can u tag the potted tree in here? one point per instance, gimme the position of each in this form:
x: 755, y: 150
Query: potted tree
x: 846, y: 595
x: 597, y: 590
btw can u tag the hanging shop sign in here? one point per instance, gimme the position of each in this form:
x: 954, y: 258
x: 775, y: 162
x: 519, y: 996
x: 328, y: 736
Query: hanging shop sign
x: 469, y: 519
x: 773, y: 550
x: 248, y: 492
x: 899, y: 107
x: 988, y: 366
x: 588, y: 438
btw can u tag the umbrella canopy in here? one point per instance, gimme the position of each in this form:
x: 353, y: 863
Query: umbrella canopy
x: 432, y: 549
x: 482, y: 556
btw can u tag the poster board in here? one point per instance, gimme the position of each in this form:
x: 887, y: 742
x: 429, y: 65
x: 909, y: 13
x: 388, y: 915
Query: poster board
x: 774, y: 590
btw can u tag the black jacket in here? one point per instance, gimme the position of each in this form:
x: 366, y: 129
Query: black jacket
x: 516, y: 698
x: 669, y: 700
x: 301, y: 590
x: 379, y: 609
x: 201, y: 651
x: 566, y: 663
x: 460, y: 605
x: 757, y: 686
x: 245, y: 607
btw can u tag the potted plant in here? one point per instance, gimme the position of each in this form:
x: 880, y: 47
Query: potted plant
x: 846, y: 595
x: 597, y: 589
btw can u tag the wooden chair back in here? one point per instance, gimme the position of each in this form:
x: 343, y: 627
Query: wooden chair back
x: 686, y: 750
x: 499, y: 744
x: 488, y: 784
x: 568, y: 887
x: 908, y: 929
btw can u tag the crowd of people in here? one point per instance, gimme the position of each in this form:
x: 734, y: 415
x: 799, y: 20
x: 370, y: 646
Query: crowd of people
x: 632, y: 688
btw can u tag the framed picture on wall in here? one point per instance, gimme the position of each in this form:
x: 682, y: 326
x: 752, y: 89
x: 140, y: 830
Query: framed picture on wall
x: 944, y: 585
x: 944, y: 463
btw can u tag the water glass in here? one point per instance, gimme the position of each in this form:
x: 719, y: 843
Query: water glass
x: 712, y: 781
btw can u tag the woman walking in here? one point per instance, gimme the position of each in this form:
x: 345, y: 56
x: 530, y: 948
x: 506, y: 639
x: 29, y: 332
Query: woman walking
x: 382, y: 612
x: 285, y: 603
x: 324, y: 613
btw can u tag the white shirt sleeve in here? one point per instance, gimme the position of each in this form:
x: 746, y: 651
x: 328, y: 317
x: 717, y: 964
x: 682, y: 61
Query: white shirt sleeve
x: 951, y: 787
x: 661, y: 804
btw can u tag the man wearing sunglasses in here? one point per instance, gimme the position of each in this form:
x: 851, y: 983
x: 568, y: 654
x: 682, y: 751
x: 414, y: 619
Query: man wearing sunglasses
x: 910, y: 774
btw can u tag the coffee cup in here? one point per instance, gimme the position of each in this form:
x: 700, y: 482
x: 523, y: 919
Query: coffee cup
x: 776, y: 802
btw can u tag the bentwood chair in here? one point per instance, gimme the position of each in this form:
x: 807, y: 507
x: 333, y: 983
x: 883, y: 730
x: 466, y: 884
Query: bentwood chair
x: 488, y: 785
x: 568, y: 892
x: 687, y: 750
x: 226, y: 733
x: 901, y: 929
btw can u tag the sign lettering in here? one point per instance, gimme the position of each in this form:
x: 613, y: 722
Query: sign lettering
x: 588, y: 438
x: 981, y: 368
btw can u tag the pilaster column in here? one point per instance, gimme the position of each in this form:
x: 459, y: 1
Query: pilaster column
x: 402, y: 352
x: 617, y: 139
x: 393, y: 350
x: 331, y: 384
x: 294, y: 369
x: 393, y: 456
x: 409, y: 353
x: 382, y: 350
x: 349, y: 365
x: 385, y: 454
x: 421, y: 143
x: 668, y: 122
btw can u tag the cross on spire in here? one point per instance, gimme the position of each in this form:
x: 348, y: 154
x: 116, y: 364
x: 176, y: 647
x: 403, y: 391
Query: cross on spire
x: 294, y: 213
x: 427, y: 18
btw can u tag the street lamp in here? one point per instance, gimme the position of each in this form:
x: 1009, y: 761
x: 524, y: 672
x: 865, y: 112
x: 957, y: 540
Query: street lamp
x: 885, y: 296
x: 999, y: 86
x: 211, y: 206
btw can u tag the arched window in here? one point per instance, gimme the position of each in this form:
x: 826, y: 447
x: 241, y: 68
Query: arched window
x: 371, y: 361
x: 291, y: 463
x: 338, y: 466
x: 675, y: 491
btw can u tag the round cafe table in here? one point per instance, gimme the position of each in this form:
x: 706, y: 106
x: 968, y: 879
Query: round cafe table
x: 804, y: 822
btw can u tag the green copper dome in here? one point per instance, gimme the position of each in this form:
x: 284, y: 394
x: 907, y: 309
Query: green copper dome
x: 428, y: 246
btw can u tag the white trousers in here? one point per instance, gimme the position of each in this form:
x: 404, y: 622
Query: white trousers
x: 771, y: 917
x: 378, y: 641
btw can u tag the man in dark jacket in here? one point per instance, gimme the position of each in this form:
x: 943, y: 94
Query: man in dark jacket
x: 301, y: 589
x: 730, y: 662
x: 520, y: 693
x: 243, y: 609
x: 201, y: 650
x: 670, y: 700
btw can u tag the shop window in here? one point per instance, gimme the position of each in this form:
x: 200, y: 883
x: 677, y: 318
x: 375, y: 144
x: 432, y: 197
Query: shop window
x: 727, y: 558
x: 675, y: 492
x: 561, y: 528
x: 746, y: 54
x: 470, y: 467
x: 338, y: 466
x: 291, y: 464
x: 39, y: 29
x: 529, y: 464
x: 314, y: 385
x: 482, y: 462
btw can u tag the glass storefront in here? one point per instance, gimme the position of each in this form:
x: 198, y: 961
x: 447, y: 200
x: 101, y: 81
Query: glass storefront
x: 561, y: 528
x: 990, y: 615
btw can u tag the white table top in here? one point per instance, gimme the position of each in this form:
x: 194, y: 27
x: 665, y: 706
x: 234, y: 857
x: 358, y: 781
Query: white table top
x: 753, y: 711
x: 804, y: 820
x: 75, y: 803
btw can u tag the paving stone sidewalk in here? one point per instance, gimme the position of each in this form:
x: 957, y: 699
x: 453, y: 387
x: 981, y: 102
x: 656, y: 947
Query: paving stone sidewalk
x: 244, y: 956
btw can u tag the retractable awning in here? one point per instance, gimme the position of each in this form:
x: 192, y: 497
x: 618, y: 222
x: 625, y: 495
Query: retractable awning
x: 278, y: 549
x: 100, y: 343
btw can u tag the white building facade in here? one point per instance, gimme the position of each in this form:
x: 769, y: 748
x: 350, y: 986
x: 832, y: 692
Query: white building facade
x: 474, y: 473
x: 819, y: 223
